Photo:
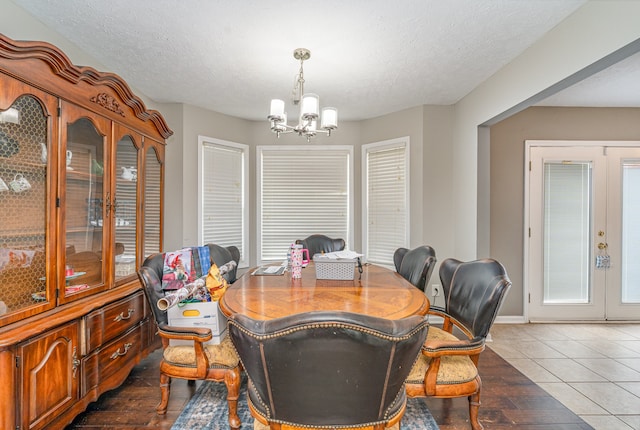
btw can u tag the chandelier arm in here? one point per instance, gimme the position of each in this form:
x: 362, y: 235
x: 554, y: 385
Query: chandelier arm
x: 287, y: 127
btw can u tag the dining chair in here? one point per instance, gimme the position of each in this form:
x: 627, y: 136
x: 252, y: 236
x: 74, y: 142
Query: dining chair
x: 197, y: 360
x: 224, y: 254
x: 326, y: 369
x: 415, y: 265
x: 448, y: 366
x: 319, y: 243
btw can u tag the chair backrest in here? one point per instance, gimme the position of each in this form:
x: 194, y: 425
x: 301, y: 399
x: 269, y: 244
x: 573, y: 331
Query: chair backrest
x: 473, y: 292
x: 150, y: 274
x: 222, y: 255
x: 415, y: 265
x: 319, y: 243
x: 328, y: 368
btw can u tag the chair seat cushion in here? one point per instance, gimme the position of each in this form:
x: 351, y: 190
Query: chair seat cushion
x: 222, y: 355
x: 454, y: 369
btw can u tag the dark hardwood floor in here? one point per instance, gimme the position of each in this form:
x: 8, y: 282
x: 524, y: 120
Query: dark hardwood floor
x: 509, y: 401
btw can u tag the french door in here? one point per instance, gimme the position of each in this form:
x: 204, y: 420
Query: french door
x: 584, y: 235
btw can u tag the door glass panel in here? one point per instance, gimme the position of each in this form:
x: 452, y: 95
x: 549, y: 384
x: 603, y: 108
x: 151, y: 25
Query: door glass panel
x: 567, y: 223
x: 152, y: 199
x: 126, y: 204
x: 84, y: 206
x: 23, y: 201
x: 630, y: 232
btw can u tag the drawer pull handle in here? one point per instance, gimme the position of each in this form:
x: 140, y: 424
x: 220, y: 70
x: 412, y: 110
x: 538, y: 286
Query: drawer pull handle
x: 75, y: 362
x: 117, y: 354
x: 121, y: 317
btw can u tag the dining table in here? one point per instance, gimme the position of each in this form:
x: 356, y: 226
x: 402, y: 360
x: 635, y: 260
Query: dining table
x: 377, y: 291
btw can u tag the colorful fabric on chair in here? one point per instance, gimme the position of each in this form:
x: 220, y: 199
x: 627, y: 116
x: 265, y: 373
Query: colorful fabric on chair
x: 215, y: 283
x: 201, y: 260
x: 178, y: 269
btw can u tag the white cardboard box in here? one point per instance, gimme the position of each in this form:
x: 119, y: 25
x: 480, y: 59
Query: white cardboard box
x: 199, y: 314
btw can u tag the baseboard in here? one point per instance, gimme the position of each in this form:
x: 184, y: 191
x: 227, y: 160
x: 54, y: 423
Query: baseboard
x: 510, y: 319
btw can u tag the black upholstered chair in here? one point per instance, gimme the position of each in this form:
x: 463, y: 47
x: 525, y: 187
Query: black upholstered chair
x: 473, y: 292
x: 195, y: 361
x: 222, y: 255
x: 415, y: 265
x: 319, y: 243
x: 327, y: 369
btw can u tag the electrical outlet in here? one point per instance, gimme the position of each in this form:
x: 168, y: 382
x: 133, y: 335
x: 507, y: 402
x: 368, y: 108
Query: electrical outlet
x: 435, y: 290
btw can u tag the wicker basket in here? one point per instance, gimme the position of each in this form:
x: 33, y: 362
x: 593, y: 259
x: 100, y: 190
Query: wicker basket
x: 343, y: 269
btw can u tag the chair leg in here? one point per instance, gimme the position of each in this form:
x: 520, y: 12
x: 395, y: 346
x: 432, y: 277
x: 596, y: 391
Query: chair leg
x: 474, y: 407
x: 232, y: 381
x: 165, y: 390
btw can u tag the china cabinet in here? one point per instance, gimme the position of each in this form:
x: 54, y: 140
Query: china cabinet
x: 81, y: 184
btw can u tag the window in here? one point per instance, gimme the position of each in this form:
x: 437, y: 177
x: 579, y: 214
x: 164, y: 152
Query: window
x: 223, y: 213
x: 385, y: 203
x: 302, y: 190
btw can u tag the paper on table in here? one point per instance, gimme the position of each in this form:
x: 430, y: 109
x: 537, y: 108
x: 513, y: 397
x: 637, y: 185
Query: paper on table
x: 269, y: 270
x: 342, y: 254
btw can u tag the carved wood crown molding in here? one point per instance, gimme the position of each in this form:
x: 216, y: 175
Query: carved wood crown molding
x: 107, y: 102
x: 62, y: 66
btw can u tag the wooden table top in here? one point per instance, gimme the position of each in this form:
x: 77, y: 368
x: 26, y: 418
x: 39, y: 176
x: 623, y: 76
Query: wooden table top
x: 380, y: 292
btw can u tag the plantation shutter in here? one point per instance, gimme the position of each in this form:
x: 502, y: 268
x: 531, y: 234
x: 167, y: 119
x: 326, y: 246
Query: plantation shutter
x: 223, y: 220
x: 303, y: 191
x: 386, y: 201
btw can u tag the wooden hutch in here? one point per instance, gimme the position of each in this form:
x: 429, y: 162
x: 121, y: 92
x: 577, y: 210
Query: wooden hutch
x: 81, y: 202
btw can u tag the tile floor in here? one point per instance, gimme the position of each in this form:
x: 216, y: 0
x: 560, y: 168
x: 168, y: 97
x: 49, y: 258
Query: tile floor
x: 593, y: 369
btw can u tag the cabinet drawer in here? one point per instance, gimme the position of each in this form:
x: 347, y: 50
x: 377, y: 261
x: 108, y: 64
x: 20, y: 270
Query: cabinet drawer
x: 116, y: 357
x: 113, y: 320
x: 119, y: 354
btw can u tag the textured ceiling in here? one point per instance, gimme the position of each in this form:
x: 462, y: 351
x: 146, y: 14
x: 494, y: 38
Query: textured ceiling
x: 368, y: 57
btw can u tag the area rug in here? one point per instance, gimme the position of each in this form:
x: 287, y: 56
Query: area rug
x: 207, y: 410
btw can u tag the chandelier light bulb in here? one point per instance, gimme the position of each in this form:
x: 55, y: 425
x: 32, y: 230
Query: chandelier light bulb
x: 277, y: 110
x: 309, y: 107
x: 329, y: 118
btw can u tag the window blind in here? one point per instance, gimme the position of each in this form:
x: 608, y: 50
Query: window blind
x: 223, y: 216
x: 152, y: 203
x: 630, y: 232
x: 302, y: 191
x: 567, y: 226
x: 386, y: 208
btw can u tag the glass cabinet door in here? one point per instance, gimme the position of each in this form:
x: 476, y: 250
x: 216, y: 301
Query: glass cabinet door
x: 23, y: 208
x: 152, y: 199
x: 126, y: 204
x: 86, y: 203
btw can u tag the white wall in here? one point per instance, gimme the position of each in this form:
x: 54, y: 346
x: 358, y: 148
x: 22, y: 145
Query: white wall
x: 437, y: 172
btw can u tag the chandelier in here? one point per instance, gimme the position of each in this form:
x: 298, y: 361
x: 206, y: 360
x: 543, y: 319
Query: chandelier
x: 309, y: 106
